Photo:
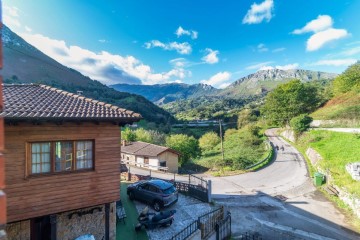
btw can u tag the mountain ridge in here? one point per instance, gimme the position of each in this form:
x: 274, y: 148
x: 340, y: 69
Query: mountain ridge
x: 23, y: 63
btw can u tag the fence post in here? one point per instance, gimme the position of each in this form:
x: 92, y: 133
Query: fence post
x: 209, y: 190
x: 189, y: 178
x: 217, y: 229
x: 150, y: 173
x: 174, y: 177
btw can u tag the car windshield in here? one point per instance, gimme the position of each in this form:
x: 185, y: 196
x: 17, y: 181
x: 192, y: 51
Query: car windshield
x: 169, y: 190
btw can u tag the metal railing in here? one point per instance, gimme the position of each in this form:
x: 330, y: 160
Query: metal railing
x: 186, y: 232
x: 223, y: 228
x: 267, y: 158
x: 208, y: 221
x: 198, y: 181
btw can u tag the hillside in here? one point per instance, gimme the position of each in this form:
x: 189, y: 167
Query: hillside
x: 342, y: 107
x: 23, y: 63
x: 266, y: 80
x: 165, y: 93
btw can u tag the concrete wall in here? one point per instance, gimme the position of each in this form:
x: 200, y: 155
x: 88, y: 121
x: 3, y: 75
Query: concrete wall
x: 172, y: 161
x: 69, y: 229
x: 289, y: 134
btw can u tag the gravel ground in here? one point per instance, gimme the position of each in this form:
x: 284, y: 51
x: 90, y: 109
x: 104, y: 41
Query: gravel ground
x: 187, y: 209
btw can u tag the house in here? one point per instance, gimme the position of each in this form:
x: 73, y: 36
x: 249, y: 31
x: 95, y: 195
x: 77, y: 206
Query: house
x: 150, y: 156
x: 62, y: 163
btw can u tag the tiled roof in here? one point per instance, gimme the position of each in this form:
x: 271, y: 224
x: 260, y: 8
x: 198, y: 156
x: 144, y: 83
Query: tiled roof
x: 145, y: 149
x: 32, y: 101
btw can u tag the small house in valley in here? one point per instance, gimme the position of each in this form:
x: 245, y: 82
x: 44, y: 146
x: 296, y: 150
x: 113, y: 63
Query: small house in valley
x: 61, y: 162
x: 150, y: 156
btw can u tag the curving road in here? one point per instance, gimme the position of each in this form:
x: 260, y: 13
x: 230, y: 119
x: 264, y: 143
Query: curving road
x: 287, y: 172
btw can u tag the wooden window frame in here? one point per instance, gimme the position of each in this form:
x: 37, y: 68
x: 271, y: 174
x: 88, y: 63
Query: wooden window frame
x: 52, y: 157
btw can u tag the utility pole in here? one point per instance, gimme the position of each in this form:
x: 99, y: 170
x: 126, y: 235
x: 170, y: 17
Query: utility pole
x: 221, y: 139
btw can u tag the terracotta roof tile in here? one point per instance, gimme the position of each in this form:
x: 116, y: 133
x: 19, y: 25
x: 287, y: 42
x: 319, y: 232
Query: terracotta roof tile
x: 27, y: 101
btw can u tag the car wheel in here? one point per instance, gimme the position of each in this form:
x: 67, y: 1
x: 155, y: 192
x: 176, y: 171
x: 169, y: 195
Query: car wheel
x: 157, y: 206
x: 131, y: 196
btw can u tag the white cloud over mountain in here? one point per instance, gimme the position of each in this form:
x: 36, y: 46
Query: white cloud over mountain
x: 103, y: 66
x: 323, y: 32
x: 259, y: 12
x: 219, y: 80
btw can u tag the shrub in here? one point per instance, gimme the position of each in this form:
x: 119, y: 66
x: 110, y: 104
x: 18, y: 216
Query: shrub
x: 300, y: 123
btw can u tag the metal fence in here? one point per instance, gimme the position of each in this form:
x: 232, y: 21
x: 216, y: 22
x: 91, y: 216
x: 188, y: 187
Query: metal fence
x: 223, y: 228
x: 198, y: 181
x: 208, y: 224
x: 186, y: 232
x: 208, y: 221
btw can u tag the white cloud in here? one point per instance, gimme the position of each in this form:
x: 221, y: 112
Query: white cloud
x: 180, y: 31
x: 319, y: 39
x: 281, y: 67
x: 258, y: 65
x: 178, y: 62
x: 336, y: 62
x: 266, y: 68
x: 288, y: 66
x: 219, y: 80
x: 181, y: 48
x: 323, y: 32
x: 211, y: 56
x: 259, y: 12
x: 102, y: 40
x: 278, y: 50
x: 351, y: 51
x: 322, y: 22
x: 261, y: 48
x: 28, y: 29
x: 103, y: 66
x: 10, y: 16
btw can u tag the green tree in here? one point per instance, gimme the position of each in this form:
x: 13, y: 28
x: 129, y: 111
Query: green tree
x: 187, y: 146
x: 289, y: 100
x: 128, y: 135
x: 247, y: 116
x: 208, y: 141
x: 348, y: 80
x: 143, y: 135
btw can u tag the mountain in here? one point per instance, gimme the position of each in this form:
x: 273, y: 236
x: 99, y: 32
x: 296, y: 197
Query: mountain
x: 165, y: 93
x: 23, y: 63
x: 266, y: 80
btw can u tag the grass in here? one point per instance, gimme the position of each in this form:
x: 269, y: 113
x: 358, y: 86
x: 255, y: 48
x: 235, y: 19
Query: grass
x: 126, y: 231
x: 242, y: 148
x: 337, y: 150
x: 344, y: 108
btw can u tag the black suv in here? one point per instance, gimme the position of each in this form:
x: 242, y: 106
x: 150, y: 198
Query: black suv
x: 157, y: 193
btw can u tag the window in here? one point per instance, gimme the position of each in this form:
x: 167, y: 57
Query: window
x: 60, y: 156
x: 146, y: 160
x: 40, y: 155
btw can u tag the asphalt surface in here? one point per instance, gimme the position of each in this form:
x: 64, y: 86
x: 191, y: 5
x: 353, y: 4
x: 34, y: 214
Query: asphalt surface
x: 278, y: 201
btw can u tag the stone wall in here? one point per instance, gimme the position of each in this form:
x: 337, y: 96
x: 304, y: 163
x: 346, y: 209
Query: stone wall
x: 314, y: 156
x: 88, y: 223
x: 18, y: 230
x: 352, y: 201
x: 289, y: 135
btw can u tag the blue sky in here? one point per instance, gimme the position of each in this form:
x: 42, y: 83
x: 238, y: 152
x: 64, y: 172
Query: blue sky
x: 213, y: 42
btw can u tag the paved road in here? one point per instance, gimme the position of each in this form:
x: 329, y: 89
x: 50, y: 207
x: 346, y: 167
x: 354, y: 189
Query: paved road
x: 279, y: 201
